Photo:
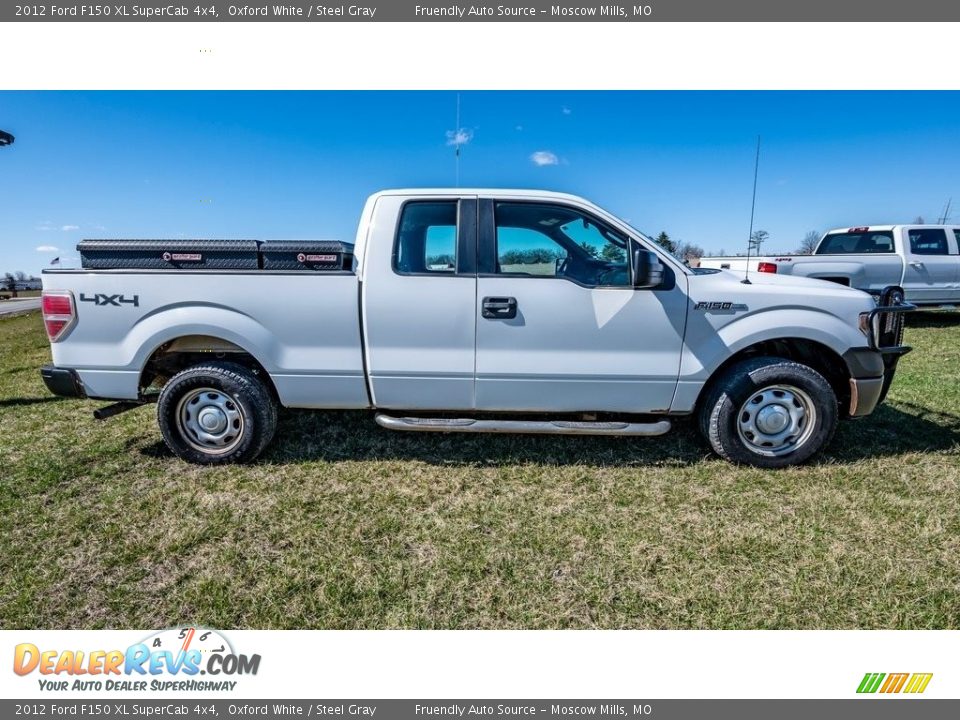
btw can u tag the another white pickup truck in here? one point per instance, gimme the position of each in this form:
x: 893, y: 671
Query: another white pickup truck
x: 466, y: 311
x: 922, y: 259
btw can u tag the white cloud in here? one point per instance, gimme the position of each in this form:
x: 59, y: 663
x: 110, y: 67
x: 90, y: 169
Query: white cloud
x: 519, y: 128
x: 544, y: 157
x: 459, y: 137
x: 565, y: 110
x: 46, y: 248
x: 69, y: 228
x: 45, y: 225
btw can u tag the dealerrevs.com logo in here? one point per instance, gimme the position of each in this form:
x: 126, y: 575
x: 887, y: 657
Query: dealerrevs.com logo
x: 179, y: 659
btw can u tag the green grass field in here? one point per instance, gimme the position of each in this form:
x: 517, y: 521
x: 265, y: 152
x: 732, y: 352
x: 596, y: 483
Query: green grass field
x: 345, y: 525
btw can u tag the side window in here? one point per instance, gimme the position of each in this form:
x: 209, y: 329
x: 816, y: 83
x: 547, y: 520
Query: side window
x: 928, y: 241
x: 557, y: 241
x: 956, y: 237
x: 427, y: 238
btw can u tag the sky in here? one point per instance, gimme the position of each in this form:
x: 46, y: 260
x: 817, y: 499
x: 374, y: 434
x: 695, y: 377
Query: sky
x: 288, y: 165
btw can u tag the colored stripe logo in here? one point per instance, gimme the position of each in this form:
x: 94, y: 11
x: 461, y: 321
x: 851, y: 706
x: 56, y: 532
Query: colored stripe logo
x: 913, y: 683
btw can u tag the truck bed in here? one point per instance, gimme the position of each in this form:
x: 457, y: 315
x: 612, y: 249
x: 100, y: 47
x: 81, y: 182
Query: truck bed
x: 302, y: 327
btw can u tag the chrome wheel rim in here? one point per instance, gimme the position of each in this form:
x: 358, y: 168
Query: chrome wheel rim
x: 210, y: 420
x: 776, y: 420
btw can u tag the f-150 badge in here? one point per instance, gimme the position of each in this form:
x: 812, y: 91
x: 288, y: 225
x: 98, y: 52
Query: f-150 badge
x: 713, y: 306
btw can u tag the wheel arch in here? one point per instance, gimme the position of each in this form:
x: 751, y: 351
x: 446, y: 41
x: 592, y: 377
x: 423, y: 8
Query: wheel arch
x: 188, y: 350
x: 812, y: 353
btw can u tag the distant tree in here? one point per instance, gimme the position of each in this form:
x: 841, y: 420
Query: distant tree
x: 588, y: 249
x: 10, y: 283
x: 918, y: 220
x: 686, y: 251
x: 535, y: 256
x: 664, y: 241
x: 21, y: 276
x: 441, y: 260
x: 757, y: 239
x: 809, y: 243
x: 612, y: 253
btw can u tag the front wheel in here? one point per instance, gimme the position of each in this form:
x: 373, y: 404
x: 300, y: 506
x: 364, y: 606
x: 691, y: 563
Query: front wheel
x: 216, y: 413
x: 769, y: 412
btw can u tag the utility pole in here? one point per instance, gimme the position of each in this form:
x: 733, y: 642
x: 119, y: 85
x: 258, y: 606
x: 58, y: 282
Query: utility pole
x: 946, y: 213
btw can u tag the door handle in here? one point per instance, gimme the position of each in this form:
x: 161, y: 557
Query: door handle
x: 916, y: 264
x: 499, y: 308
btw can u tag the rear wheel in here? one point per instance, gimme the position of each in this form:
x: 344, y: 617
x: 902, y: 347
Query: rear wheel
x: 216, y: 413
x: 769, y: 412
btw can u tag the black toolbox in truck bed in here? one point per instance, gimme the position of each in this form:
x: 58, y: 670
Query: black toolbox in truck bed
x: 306, y: 255
x: 169, y: 254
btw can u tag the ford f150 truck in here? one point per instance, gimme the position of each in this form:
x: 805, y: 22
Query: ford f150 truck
x: 922, y: 259
x: 466, y: 311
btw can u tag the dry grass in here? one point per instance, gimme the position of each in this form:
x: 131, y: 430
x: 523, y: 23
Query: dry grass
x: 345, y: 525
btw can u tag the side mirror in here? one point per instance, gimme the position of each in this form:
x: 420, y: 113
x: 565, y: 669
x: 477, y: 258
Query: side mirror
x: 647, y: 269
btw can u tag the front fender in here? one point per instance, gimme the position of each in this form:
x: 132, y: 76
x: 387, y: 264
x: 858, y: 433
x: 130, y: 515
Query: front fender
x: 709, y: 342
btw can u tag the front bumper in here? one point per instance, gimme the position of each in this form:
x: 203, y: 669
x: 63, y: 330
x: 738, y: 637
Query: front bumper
x: 62, y: 381
x: 872, y: 368
x: 865, y: 395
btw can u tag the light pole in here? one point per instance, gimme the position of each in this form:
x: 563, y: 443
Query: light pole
x: 5, y: 140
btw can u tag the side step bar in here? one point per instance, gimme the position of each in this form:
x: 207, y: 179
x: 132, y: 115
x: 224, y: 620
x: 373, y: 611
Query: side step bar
x: 530, y: 427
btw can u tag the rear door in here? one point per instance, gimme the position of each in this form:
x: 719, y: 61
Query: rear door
x: 419, y: 304
x: 560, y: 326
x: 930, y: 275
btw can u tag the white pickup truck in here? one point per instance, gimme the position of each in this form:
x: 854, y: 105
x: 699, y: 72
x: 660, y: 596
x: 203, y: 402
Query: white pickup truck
x: 466, y: 311
x: 922, y: 259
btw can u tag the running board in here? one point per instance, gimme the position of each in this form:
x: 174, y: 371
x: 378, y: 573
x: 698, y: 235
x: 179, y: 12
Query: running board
x: 529, y: 427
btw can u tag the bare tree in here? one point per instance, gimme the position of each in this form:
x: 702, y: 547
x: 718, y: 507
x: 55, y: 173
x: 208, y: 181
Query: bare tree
x: 918, y: 220
x: 10, y: 283
x: 809, y: 243
x: 757, y: 239
x: 688, y: 252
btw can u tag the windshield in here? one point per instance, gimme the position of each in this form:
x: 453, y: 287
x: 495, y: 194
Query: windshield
x: 854, y: 242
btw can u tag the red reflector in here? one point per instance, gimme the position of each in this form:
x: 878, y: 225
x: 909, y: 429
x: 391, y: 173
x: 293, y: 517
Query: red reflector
x: 767, y: 267
x: 58, y: 312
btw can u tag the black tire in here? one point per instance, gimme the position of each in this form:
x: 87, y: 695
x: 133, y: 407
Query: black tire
x: 788, y: 392
x: 238, y: 408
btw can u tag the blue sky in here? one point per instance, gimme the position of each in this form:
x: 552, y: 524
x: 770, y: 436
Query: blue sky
x: 300, y: 164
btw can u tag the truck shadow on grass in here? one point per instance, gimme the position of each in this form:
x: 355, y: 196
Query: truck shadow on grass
x: 933, y: 319
x: 304, y: 436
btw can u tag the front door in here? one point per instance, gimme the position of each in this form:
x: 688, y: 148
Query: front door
x: 930, y: 274
x: 560, y: 326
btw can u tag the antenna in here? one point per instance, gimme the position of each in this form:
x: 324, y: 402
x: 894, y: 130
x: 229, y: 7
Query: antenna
x: 456, y: 143
x: 753, y: 206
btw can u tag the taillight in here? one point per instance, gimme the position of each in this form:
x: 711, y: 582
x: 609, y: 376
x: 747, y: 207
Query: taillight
x: 58, y: 312
x: 767, y: 267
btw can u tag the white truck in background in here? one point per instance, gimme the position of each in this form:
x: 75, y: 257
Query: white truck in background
x: 463, y: 310
x: 922, y: 259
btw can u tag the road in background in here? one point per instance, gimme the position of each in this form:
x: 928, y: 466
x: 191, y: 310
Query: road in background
x: 8, y: 307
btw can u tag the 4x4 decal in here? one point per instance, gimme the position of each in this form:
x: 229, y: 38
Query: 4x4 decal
x: 101, y: 299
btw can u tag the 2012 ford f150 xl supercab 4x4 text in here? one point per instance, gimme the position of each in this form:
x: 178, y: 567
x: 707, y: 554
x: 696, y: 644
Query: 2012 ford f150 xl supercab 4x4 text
x: 466, y: 311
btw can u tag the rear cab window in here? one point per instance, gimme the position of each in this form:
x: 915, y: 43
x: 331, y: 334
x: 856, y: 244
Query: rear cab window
x: 426, y: 242
x: 856, y: 241
x: 928, y: 241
